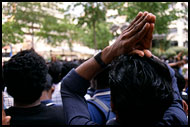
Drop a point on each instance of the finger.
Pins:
(150, 32)
(147, 53)
(140, 14)
(138, 27)
(138, 52)
(138, 36)
(147, 43)
(153, 18)
(138, 21)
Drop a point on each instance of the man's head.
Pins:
(54, 70)
(25, 76)
(141, 89)
(67, 66)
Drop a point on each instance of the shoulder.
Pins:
(74, 83)
(55, 113)
(174, 115)
(41, 115)
(55, 109)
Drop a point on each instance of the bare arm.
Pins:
(125, 43)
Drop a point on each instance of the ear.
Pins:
(52, 89)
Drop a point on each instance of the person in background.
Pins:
(54, 69)
(99, 105)
(58, 70)
(25, 76)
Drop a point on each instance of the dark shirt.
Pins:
(74, 87)
(47, 102)
(37, 115)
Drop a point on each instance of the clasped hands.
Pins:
(137, 37)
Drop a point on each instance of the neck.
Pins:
(20, 105)
(45, 96)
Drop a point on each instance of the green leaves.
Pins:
(164, 16)
(94, 16)
(40, 19)
(8, 36)
(35, 18)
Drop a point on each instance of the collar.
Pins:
(102, 92)
(47, 102)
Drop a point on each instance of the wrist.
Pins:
(99, 60)
(107, 55)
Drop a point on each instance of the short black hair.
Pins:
(49, 82)
(141, 89)
(67, 66)
(25, 76)
(54, 70)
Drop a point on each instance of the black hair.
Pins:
(59, 69)
(141, 89)
(25, 76)
(102, 78)
(67, 66)
(54, 70)
(49, 82)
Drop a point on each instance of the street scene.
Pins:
(95, 63)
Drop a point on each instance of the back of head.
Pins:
(54, 70)
(141, 89)
(25, 76)
(67, 66)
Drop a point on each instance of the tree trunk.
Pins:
(32, 36)
(94, 34)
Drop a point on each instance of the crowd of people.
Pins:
(124, 84)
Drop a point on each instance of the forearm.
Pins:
(172, 64)
(89, 68)
(125, 43)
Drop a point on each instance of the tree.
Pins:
(11, 30)
(35, 19)
(103, 36)
(164, 14)
(94, 14)
(11, 33)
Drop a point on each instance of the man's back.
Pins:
(37, 115)
(99, 106)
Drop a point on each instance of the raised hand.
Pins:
(146, 42)
(136, 35)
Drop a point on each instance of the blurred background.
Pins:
(77, 30)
